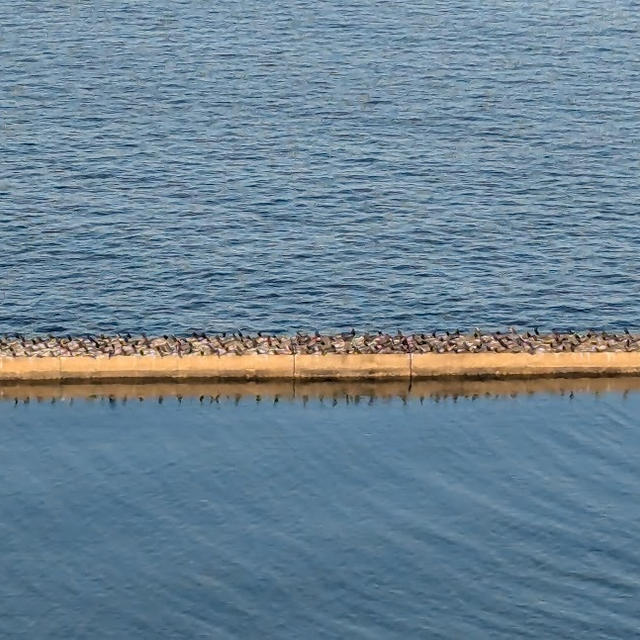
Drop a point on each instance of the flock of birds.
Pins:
(301, 343)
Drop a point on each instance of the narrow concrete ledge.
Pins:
(118, 367)
(498, 365)
(332, 366)
(246, 367)
(30, 368)
(337, 366)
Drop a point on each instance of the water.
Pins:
(493, 517)
(168, 166)
(171, 166)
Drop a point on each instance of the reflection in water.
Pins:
(347, 391)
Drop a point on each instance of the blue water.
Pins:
(299, 165)
(171, 166)
(496, 517)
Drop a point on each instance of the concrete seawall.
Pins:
(331, 366)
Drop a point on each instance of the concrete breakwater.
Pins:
(319, 357)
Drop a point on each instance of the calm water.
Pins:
(286, 165)
(488, 518)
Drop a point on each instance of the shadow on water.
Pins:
(347, 391)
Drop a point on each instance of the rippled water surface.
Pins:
(170, 166)
(497, 517)
(286, 165)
